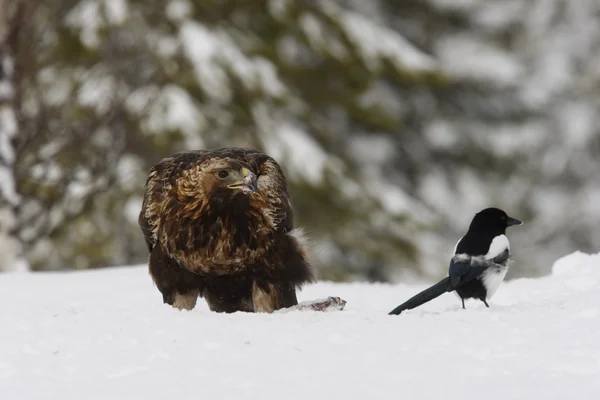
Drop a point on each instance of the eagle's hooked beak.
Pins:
(249, 183)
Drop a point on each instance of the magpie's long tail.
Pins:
(426, 295)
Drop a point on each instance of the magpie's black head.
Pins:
(492, 220)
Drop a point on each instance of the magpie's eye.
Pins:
(503, 218)
(223, 174)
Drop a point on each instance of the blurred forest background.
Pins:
(395, 120)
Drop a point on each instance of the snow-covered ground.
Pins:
(106, 335)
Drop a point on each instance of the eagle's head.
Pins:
(230, 188)
(229, 178)
(219, 180)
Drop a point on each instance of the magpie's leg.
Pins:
(485, 302)
(463, 303)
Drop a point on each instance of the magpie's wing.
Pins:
(474, 272)
(463, 270)
(501, 258)
(459, 267)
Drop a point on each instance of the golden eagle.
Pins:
(219, 225)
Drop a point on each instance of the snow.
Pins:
(313, 30)
(497, 15)
(509, 140)
(129, 166)
(200, 46)
(97, 91)
(131, 211)
(116, 11)
(85, 17)
(392, 198)
(466, 57)
(455, 4)
(8, 129)
(56, 86)
(294, 147)
(371, 150)
(7, 66)
(175, 109)
(106, 334)
(319, 38)
(177, 10)
(211, 50)
(278, 8)
(374, 41)
(578, 121)
(440, 135)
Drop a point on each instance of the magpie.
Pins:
(479, 264)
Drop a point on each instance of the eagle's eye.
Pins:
(223, 174)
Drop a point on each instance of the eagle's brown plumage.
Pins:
(219, 225)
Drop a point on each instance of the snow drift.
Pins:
(106, 334)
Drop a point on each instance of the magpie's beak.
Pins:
(513, 221)
(249, 183)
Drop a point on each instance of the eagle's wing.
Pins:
(273, 187)
(154, 196)
(158, 185)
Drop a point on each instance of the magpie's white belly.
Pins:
(492, 278)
